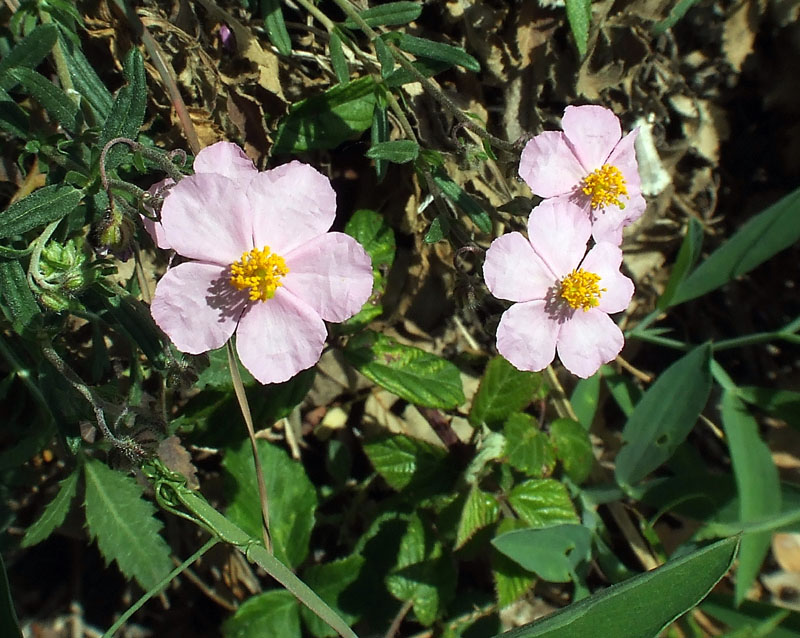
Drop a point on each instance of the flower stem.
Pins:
(241, 397)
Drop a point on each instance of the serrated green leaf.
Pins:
(410, 373)
(757, 483)
(59, 107)
(29, 52)
(687, 257)
(397, 151)
(464, 201)
(54, 513)
(404, 462)
(585, 398)
(41, 207)
(124, 526)
(511, 580)
(763, 236)
(641, 606)
(276, 26)
(527, 448)
(338, 59)
(291, 499)
(329, 581)
(665, 416)
(503, 391)
(273, 613)
(542, 503)
(552, 552)
(439, 51)
(579, 16)
(325, 121)
(389, 14)
(16, 296)
(573, 448)
(9, 625)
(480, 509)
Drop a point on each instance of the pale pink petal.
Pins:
(604, 260)
(513, 271)
(593, 132)
(279, 337)
(549, 166)
(587, 341)
(527, 336)
(609, 222)
(332, 273)
(154, 228)
(291, 204)
(558, 231)
(207, 217)
(624, 158)
(225, 158)
(195, 305)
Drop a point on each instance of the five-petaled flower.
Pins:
(262, 263)
(563, 293)
(592, 165)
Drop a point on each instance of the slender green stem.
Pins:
(747, 340)
(660, 341)
(163, 583)
(324, 20)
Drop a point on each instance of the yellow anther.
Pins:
(260, 271)
(580, 290)
(605, 185)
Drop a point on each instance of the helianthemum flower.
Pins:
(563, 293)
(592, 165)
(263, 264)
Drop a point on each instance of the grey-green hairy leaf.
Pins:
(397, 151)
(54, 514)
(41, 207)
(503, 391)
(464, 201)
(276, 27)
(579, 16)
(28, 53)
(58, 105)
(389, 14)
(16, 296)
(435, 51)
(338, 59)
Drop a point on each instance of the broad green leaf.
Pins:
(552, 552)
(757, 483)
(9, 625)
(291, 498)
(480, 509)
(665, 416)
(388, 15)
(528, 449)
(573, 448)
(370, 230)
(763, 236)
(325, 121)
(464, 201)
(584, 399)
(54, 514)
(16, 296)
(85, 80)
(41, 207)
(783, 404)
(579, 16)
(397, 151)
(276, 27)
(542, 503)
(643, 605)
(511, 580)
(503, 391)
(124, 525)
(338, 59)
(274, 613)
(28, 53)
(410, 373)
(404, 462)
(688, 255)
(435, 51)
(59, 107)
(328, 581)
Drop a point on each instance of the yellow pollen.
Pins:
(605, 186)
(580, 290)
(260, 271)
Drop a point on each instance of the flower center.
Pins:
(580, 290)
(605, 186)
(260, 271)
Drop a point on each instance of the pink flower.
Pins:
(592, 165)
(564, 294)
(263, 264)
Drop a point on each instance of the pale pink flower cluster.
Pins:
(260, 263)
(589, 178)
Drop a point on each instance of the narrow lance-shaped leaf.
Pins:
(435, 50)
(464, 201)
(276, 26)
(41, 207)
(579, 16)
(397, 151)
(338, 59)
(28, 53)
(16, 295)
(687, 257)
(54, 514)
(52, 99)
(389, 14)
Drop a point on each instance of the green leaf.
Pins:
(397, 151)
(389, 14)
(370, 230)
(552, 552)
(579, 16)
(435, 51)
(757, 483)
(573, 448)
(329, 581)
(503, 391)
(622, 388)
(688, 255)
(124, 525)
(273, 613)
(385, 57)
(338, 59)
(464, 201)
(41, 207)
(585, 398)
(30, 51)
(763, 236)
(276, 27)
(782, 404)
(379, 132)
(291, 499)
(85, 80)
(665, 416)
(480, 509)
(751, 616)
(59, 107)
(542, 503)
(404, 462)
(16, 296)
(677, 12)
(54, 514)
(12, 118)
(9, 625)
(438, 230)
(641, 606)
(325, 121)
(410, 373)
(528, 449)
(511, 580)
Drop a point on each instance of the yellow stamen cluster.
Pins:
(580, 290)
(260, 271)
(605, 185)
